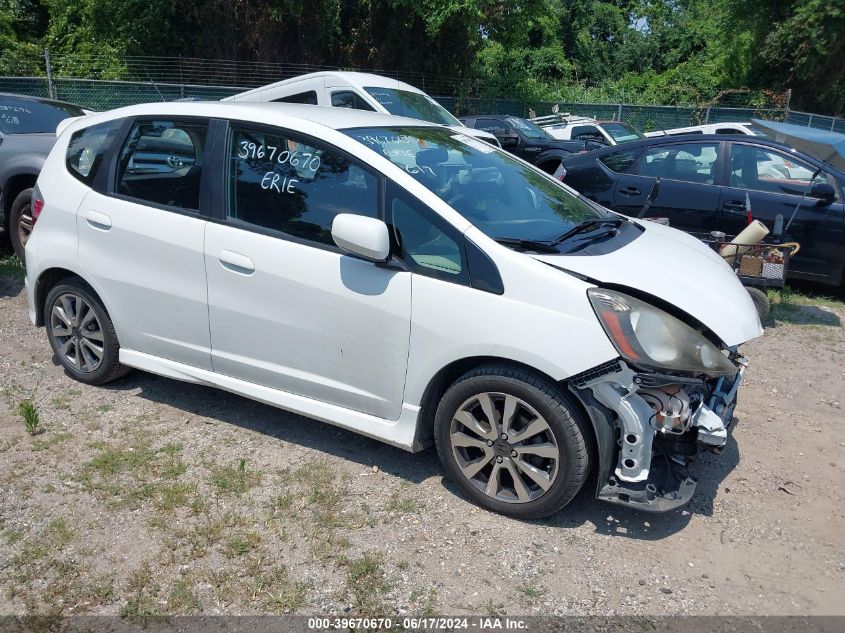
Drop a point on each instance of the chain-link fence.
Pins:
(82, 79)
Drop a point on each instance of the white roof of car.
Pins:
(263, 112)
(341, 77)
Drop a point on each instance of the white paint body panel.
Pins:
(149, 263)
(681, 270)
(309, 321)
(328, 335)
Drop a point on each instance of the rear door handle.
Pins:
(98, 220)
(630, 191)
(236, 262)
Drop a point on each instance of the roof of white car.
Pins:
(356, 79)
(335, 118)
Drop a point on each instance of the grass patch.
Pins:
(236, 479)
(803, 308)
(366, 584)
(12, 266)
(138, 473)
(31, 419)
(51, 441)
(399, 504)
(241, 544)
(425, 602)
(530, 593)
(142, 602)
(280, 594)
(182, 598)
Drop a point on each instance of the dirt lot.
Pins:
(152, 496)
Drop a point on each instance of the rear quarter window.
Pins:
(87, 147)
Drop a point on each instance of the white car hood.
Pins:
(679, 269)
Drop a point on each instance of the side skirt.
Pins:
(399, 433)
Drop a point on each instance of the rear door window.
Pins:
(161, 163)
(690, 162)
(281, 181)
(87, 147)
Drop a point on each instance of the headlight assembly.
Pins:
(645, 335)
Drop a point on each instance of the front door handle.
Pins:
(630, 191)
(734, 206)
(97, 220)
(236, 262)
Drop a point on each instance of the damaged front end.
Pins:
(659, 422)
(672, 393)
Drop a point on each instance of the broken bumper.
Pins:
(660, 422)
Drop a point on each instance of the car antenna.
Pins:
(801, 201)
(156, 87)
(652, 196)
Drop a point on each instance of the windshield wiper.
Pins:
(528, 245)
(583, 227)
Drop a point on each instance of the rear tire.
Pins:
(81, 333)
(761, 302)
(531, 460)
(20, 221)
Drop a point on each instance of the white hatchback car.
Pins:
(397, 279)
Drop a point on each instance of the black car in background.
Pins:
(703, 183)
(27, 134)
(528, 141)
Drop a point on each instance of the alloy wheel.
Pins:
(77, 332)
(504, 447)
(25, 224)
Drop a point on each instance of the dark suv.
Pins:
(706, 181)
(528, 141)
(27, 133)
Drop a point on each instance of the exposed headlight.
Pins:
(646, 335)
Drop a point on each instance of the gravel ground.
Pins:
(151, 496)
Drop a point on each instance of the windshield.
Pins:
(497, 193)
(31, 116)
(528, 129)
(412, 104)
(622, 132)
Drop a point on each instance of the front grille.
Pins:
(610, 367)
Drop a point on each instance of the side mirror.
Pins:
(823, 191)
(509, 140)
(591, 145)
(362, 236)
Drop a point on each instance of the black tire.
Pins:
(564, 420)
(21, 206)
(761, 302)
(109, 367)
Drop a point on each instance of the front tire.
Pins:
(761, 302)
(20, 221)
(512, 441)
(82, 334)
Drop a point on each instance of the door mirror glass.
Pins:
(361, 236)
(823, 191)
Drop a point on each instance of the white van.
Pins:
(361, 91)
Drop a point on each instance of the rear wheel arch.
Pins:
(49, 279)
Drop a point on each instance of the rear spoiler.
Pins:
(64, 124)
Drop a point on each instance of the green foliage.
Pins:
(643, 51)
